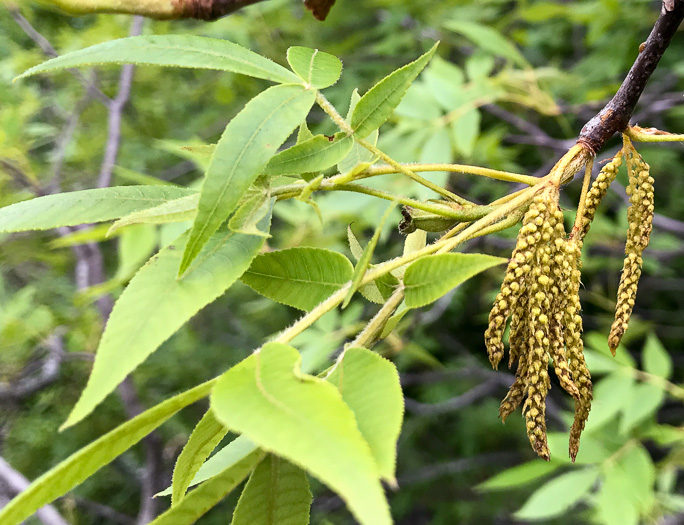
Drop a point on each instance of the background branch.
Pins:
(616, 114)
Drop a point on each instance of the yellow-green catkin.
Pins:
(640, 218)
(538, 382)
(572, 333)
(598, 191)
(513, 283)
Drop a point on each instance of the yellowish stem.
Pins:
(581, 207)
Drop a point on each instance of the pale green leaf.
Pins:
(303, 419)
(611, 395)
(136, 245)
(657, 360)
(204, 438)
(558, 495)
(376, 106)
(314, 67)
(429, 278)
(172, 51)
(358, 157)
(245, 147)
(229, 455)
(299, 277)
(487, 38)
(84, 207)
(370, 291)
(156, 304)
(644, 402)
(177, 210)
(520, 475)
(369, 384)
(365, 259)
(252, 209)
(84, 463)
(277, 493)
(465, 131)
(208, 494)
(314, 155)
(627, 487)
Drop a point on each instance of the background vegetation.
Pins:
(513, 84)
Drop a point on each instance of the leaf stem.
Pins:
(369, 335)
(344, 126)
(638, 134)
(454, 168)
(463, 214)
(314, 315)
(581, 208)
(402, 168)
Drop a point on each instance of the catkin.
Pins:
(537, 280)
(513, 283)
(598, 191)
(640, 218)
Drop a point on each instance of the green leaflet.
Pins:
(376, 106)
(314, 155)
(299, 277)
(208, 494)
(558, 495)
(429, 278)
(177, 210)
(379, 290)
(172, 51)
(84, 207)
(204, 438)
(520, 475)
(245, 147)
(155, 304)
(365, 259)
(252, 209)
(314, 67)
(303, 419)
(369, 384)
(487, 38)
(657, 360)
(359, 157)
(81, 465)
(235, 451)
(277, 493)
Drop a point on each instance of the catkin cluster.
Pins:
(640, 218)
(540, 295)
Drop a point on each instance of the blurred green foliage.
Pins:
(547, 67)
